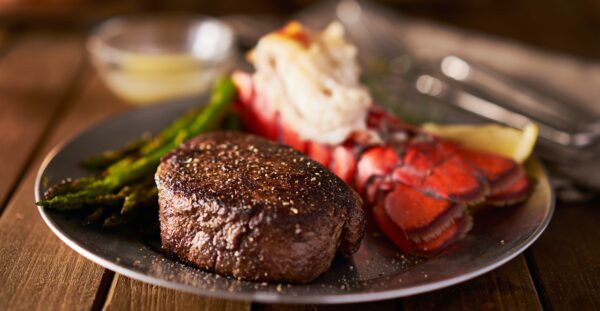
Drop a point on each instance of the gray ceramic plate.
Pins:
(377, 271)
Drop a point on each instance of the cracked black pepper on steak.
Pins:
(240, 205)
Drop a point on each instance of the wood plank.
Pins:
(37, 270)
(565, 261)
(509, 287)
(5, 40)
(129, 294)
(36, 75)
(374, 306)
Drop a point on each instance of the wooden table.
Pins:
(49, 92)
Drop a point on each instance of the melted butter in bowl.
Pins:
(146, 59)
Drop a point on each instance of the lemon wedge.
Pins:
(493, 138)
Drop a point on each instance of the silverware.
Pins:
(516, 105)
(567, 133)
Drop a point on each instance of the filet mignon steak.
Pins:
(242, 206)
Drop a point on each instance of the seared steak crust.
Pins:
(243, 206)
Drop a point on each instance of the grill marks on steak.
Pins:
(240, 205)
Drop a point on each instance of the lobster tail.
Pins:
(419, 186)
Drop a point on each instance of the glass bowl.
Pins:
(152, 58)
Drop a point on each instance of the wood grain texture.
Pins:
(32, 88)
(368, 306)
(509, 287)
(37, 270)
(129, 294)
(566, 259)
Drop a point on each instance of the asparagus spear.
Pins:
(143, 196)
(138, 199)
(119, 175)
(171, 131)
(133, 204)
(120, 165)
(113, 201)
(68, 185)
(191, 124)
(107, 158)
(115, 219)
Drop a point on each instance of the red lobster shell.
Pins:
(419, 186)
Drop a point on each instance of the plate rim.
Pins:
(262, 297)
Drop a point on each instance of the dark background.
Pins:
(568, 26)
